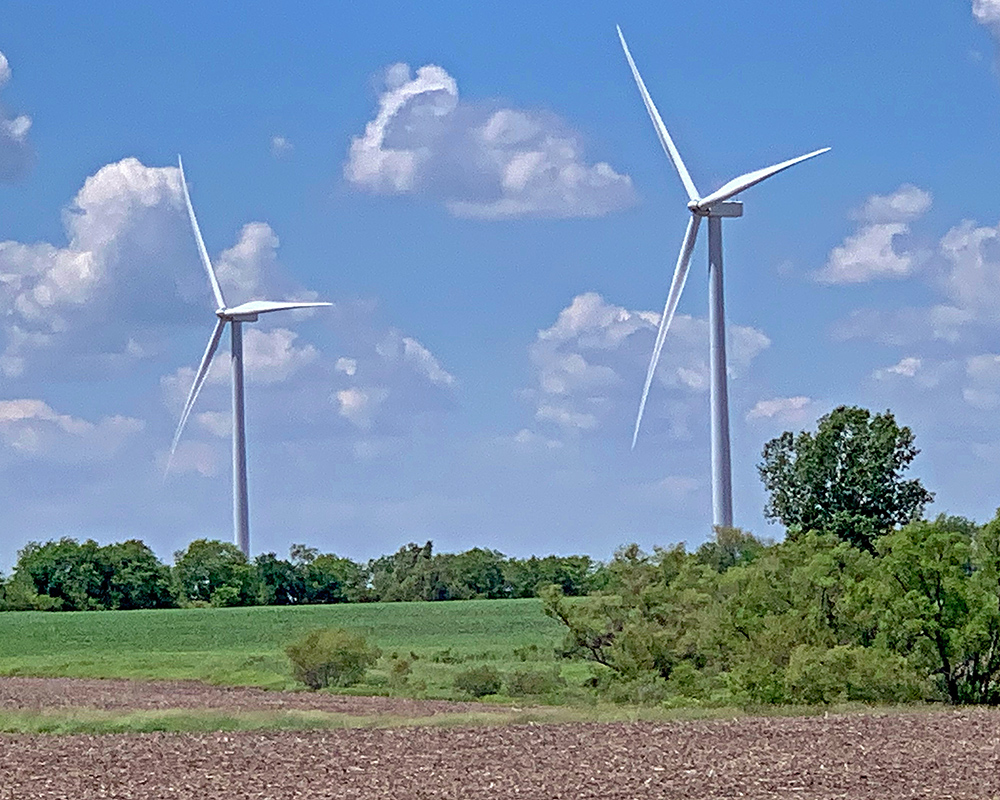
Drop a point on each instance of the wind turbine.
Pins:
(234, 316)
(715, 206)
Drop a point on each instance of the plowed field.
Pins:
(927, 754)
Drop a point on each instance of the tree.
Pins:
(135, 577)
(214, 572)
(279, 582)
(845, 479)
(331, 579)
(73, 574)
(940, 602)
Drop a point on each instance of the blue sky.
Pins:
(481, 195)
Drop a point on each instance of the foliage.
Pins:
(75, 577)
(214, 573)
(478, 681)
(331, 657)
(799, 622)
(845, 479)
(574, 575)
(533, 682)
(940, 602)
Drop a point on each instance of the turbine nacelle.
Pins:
(728, 208)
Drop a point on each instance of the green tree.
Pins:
(331, 579)
(574, 575)
(408, 574)
(845, 479)
(214, 572)
(279, 582)
(135, 577)
(940, 603)
(73, 574)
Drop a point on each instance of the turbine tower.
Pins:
(715, 206)
(233, 316)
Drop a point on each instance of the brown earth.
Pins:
(931, 754)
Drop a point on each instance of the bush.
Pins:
(331, 657)
(523, 682)
(478, 681)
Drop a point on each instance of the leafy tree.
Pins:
(214, 572)
(476, 573)
(407, 574)
(135, 577)
(331, 579)
(279, 582)
(730, 547)
(940, 602)
(73, 574)
(574, 575)
(845, 479)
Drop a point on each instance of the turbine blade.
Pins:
(199, 381)
(661, 129)
(220, 301)
(676, 287)
(266, 306)
(737, 185)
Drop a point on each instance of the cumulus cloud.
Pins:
(906, 368)
(987, 12)
(359, 404)
(879, 248)
(589, 365)
(485, 162)
(32, 429)
(964, 269)
(786, 410)
(15, 152)
(91, 295)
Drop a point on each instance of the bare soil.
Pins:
(928, 754)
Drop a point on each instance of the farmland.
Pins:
(245, 646)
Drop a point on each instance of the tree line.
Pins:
(67, 575)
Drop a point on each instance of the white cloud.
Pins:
(349, 366)
(271, 356)
(34, 430)
(281, 147)
(15, 152)
(987, 12)
(906, 368)
(906, 204)
(481, 162)
(589, 365)
(112, 278)
(878, 248)
(240, 269)
(359, 405)
(786, 410)
(424, 362)
(396, 348)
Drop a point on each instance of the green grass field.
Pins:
(245, 646)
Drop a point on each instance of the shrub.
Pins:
(478, 681)
(523, 682)
(331, 657)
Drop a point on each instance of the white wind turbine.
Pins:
(715, 207)
(234, 316)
